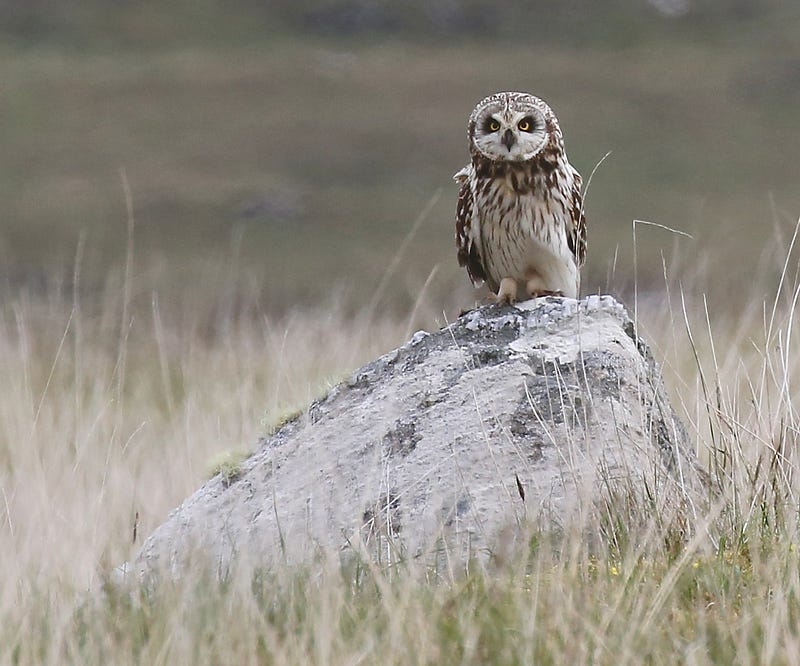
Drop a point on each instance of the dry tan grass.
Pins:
(111, 409)
(102, 419)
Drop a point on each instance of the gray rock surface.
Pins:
(509, 416)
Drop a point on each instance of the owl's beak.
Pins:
(508, 139)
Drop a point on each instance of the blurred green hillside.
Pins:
(295, 144)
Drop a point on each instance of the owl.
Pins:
(519, 221)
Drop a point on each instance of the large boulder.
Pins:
(511, 416)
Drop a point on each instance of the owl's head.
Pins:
(512, 127)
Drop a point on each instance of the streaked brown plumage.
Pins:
(519, 221)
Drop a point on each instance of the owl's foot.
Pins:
(535, 285)
(507, 292)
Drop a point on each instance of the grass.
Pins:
(112, 410)
(555, 611)
(228, 465)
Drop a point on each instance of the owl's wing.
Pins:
(576, 227)
(468, 251)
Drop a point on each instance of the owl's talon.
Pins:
(507, 293)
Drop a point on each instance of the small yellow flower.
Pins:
(527, 583)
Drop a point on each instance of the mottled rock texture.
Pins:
(512, 416)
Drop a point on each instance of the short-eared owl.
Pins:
(519, 222)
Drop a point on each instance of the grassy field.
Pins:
(112, 411)
(323, 153)
(198, 238)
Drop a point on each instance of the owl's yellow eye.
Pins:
(526, 124)
(493, 125)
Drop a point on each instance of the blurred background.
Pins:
(301, 151)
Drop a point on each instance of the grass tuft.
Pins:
(228, 465)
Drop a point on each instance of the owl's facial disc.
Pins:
(510, 135)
